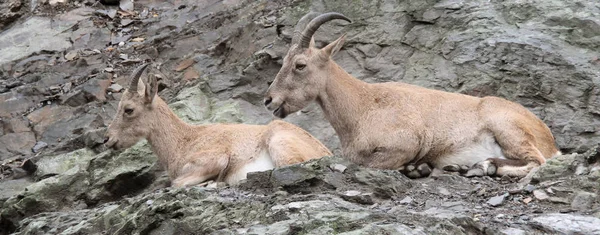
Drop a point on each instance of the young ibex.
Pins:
(194, 154)
(399, 126)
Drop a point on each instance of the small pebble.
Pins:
(115, 88)
(338, 167)
(444, 191)
(529, 188)
(406, 200)
(540, 194)
(39, 146)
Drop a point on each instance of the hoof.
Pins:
(451, 168)
(456, 168)
(415, 172)
(484, 168)
(413, 175)
(424, 169)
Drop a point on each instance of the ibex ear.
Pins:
(334, 46)
(141, 87)
(151, 88)
(312, 42)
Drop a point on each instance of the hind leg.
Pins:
(517, 144)
(501, 167)
(283, 151)
(292, 148)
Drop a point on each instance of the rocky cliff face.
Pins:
(63, 65)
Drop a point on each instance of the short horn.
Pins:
(301, 25)
(135, 76)
(315, 23)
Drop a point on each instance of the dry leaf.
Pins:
(184, 65)
(138, 39)
(126, 13)
(191, 74)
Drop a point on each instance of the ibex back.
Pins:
(394, 125)
(194, 154)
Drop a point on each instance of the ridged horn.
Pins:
(315, 23)
(135, 77)
(301, 25)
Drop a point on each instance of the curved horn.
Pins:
(301, 25)
(315, 23)
(135, 76)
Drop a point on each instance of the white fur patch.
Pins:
(262, 162)
(468, 155)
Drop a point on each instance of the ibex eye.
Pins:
(128, 111)
(300, 66)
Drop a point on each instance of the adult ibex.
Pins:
(194, 154)
(399, 126)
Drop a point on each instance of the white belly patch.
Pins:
(476, 152)
(262, 162)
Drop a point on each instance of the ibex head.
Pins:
(303, 74)
(135, 115)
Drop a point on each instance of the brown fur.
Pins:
(388, 125)
(193, 154)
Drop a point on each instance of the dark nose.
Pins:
(268, 100)
(106, 139)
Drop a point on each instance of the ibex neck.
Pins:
(169, 136)
(343, 101)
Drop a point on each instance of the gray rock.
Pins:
(12, 187)
(95, 89)
(126, 5)
(583, 201)
(10, 11)
(529, 188)
(406, 200)
(70, 131)
(115, 88)
(557, 166)
(581, 170)
(93, 138)
(338, 167)
(568, 224)
(59, 164)
(358, 197)
(540, 194)
(74, 99)
(370, 50)
(39, 146)
(222, 82)
(16, 125)
(191, 105)
(38, 34)
(83, 177)
(559, 200)
(497, 200)
(513, 231)
(12, 144)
